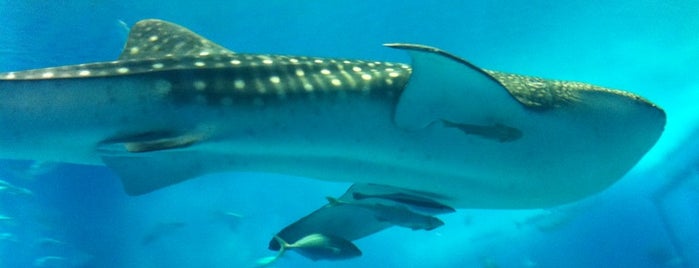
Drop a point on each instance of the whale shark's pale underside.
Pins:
(176, 106)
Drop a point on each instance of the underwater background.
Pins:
(79, 216)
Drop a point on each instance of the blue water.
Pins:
(648, 219)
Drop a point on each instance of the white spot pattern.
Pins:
(239, 84)
(199, 85)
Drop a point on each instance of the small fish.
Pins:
(49, 243)
(316, 247)
(9, 188)
(161, 229)
(417, 203)
(549, 220)
(229, 214)
(395, 214)
(231, 219)
(8, 237)
(50, 261)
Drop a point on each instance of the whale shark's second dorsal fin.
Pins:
(152, 38)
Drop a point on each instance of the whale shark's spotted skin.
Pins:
(216, 76)
(223, 80)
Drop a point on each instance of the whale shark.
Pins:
(176, 106)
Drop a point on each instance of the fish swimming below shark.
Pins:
(397, 215)
(316, 247)
(414, 202)
(175, 106)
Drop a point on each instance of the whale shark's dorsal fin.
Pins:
(152, 38)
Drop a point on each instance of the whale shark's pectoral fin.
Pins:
(448, 88)
(150, 161)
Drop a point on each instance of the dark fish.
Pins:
(347, 222)
(419, 203)
(395, 214)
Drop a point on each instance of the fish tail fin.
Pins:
(283, 245)
(332, 201)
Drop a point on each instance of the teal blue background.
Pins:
(648, 219)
